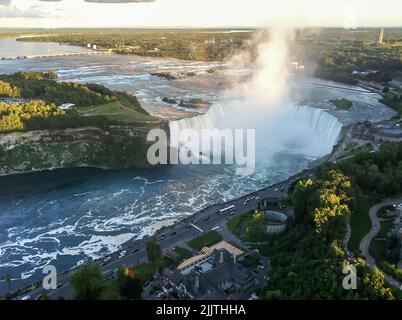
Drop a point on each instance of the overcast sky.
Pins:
(198, 13)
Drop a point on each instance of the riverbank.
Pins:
(133, 252)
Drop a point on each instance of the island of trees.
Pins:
(32, 100)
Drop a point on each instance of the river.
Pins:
(71, 216)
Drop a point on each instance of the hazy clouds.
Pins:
(201, 13)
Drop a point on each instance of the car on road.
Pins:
(161, 238)
(26, 298)
(107, 259)
(136, 250)
(122, 254)
(207, 218)
(276, 190)
(174, 233)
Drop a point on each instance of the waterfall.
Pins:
(325, 126)
(208, 120)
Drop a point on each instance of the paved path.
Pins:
(366, 241)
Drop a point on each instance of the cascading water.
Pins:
(326, 126)
(323, 125)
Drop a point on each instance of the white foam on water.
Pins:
(96, 246)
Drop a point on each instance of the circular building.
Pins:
(276, 222)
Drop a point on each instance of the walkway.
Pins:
(366, 241)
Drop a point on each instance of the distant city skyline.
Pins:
(199, 13)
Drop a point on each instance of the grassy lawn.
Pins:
(360, 222)
(206, 240)
(117, 112)
(342, 104)
(183, 252)
(147, 270)
(234, 224)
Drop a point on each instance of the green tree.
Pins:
(301, 197)
(256, 227)
(129, 283)
(89, 282)
(154, 251)
(375, 282)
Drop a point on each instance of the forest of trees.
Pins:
(42, 94)
(7, 90)
(182, 44)
(37, 75)
(339, 63)
(378, 174)
(41, 85)
(89, 283)
(14, 116)
(307, 261)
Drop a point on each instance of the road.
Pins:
(176, 235)
(368, 238)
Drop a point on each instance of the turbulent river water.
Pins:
(68, 217)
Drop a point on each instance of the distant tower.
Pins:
(381, 39)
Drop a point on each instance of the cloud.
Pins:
(10, 10)
(116, 1)
(97, 1)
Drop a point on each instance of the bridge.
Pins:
(57, 55)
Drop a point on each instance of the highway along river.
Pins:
(71, 216)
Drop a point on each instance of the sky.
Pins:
(199, 13)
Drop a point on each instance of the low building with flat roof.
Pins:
(219, 277)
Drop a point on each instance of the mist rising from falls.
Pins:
(261, 102)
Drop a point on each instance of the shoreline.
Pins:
(137, 242)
